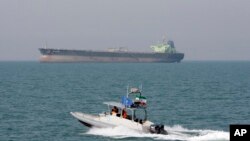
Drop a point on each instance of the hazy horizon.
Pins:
(202, 29)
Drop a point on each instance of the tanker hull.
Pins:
(70, 56)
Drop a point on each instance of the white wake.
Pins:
(174, 133)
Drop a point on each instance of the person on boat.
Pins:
(124, 113)
(114, 110)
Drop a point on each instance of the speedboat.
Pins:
(128, 113)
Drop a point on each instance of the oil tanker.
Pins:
(164, 52)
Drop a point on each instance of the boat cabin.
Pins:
(136, 114)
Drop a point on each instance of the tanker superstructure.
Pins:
(164, 52)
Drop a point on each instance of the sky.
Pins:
(202, 29)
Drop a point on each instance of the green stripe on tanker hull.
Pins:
(68, 58)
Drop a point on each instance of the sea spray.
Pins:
(176, 132)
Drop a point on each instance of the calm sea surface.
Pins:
(194, 100)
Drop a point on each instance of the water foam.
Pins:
(176, 132)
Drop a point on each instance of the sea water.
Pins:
(196, 101)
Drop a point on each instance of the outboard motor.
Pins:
(158, 129)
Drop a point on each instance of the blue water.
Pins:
(194, 100)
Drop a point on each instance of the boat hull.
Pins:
(91, 121)
(106, 121)
(59, 55)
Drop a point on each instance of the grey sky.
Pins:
(202, 29)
